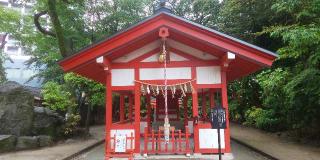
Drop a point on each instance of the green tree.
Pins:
(299, 56)
(9, 22)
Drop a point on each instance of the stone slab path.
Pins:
(59, 151)
(275, 146)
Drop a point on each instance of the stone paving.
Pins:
(274, 146)
(59, 151)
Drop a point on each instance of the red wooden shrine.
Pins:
(205, 58)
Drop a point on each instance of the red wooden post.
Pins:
(152, 136)
(211, 95)
(204, 105)
(185, 105)
(137, 112)
(173, 140)
(122, 111)
(225, 105)
(108, 113)
(195, 110)
(187, 140)
(194, 94)
(159, 140)
(146, 139)
(148, 111)
(130, 106)
(180, 147)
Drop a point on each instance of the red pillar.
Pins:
(185, 105)
(211, 95)
(225, 105)
(130, 106)
(195, 110)
(204, 105)
(137, 112)
(194, 94)
(108, 112)
(148, 111)
(122, 111)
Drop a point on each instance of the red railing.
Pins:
(112, 145)
(154, 142)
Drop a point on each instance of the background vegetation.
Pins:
(285, 97)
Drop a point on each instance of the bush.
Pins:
(56, 97)
(262, 119)
(235, 112)
(71, 124)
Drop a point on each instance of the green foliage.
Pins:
(56, 97)
(70, 127)
(9, 22)
(289, 91)
(95, 91)
(260, 118)
(303, 105)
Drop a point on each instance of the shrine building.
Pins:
(162, 77)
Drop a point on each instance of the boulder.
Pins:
(7, 143)
(27, 142)
(16, 109)
(45, 121)
(45, 140)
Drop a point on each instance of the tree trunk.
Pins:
(64, 49)
(88, 119)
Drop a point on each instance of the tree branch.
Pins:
(38, 25)
(3, 41)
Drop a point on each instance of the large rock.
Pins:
(16, 109)
(45, 121)
(7, 143)
(27, 142)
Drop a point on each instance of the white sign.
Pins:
(208, 138)
(121, 144)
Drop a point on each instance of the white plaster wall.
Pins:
(139, 52)
(122, 77)
(175, 57)
(208, 138)
(208, 75)
(189, 50)
(158, 73)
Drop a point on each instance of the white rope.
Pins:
(161, 85)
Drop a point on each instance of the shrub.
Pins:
(262, 119)
(56, 97)
(71, 124)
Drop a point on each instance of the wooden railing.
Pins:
(154, 142)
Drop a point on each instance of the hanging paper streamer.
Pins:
(148, 89)
(182, 90)
(156, 89)
(185, 87)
